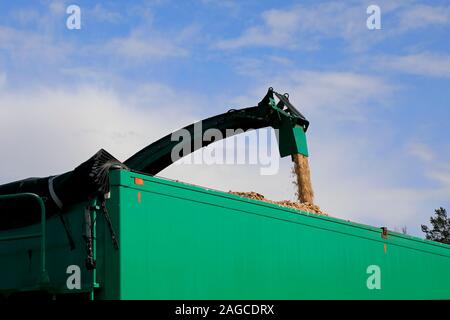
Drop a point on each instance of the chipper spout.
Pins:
(289, 122)
(291, 135)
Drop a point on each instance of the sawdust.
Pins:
(300, 170)
(303, 206)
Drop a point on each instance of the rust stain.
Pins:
(385, 248)
(139, 197)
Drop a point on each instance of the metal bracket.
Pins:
(384, 232)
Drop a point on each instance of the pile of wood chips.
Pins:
(305, 206)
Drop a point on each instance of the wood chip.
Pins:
(302, 206)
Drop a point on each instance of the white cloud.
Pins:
(421, 151)
(420, 15)
(92, 75)
(228, 4)
(47, 131)
(26, 16)
(423, 64)
(436, 168)
(2, 79)
(442, 176)
(21, 45)
(41, 42)
(142, 46)
(102, 13)
(334, 96)
(345, 95)
(277, 29)
(304, 26)
(58, 7)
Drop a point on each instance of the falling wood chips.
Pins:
(303, 178)
(308, 207)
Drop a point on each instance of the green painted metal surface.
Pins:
(291, 136)
(178, 241)
(292, 140)
(184, 242)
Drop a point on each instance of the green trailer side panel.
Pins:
(184, 242)
(178, 241)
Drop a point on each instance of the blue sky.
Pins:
(378, 100)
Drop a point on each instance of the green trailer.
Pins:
(179, 241)
(146, 237)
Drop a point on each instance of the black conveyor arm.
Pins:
(157, 156)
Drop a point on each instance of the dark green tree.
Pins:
(441, 227)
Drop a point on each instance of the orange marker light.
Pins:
(139, 181)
